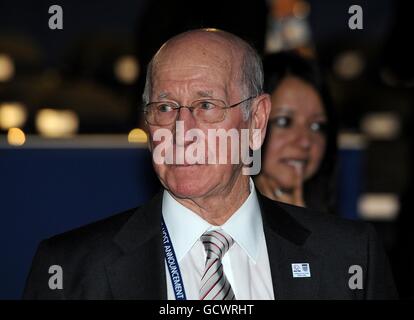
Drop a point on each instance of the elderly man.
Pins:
(210, 234)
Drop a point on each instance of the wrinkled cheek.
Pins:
(162, 148)
(221, 149)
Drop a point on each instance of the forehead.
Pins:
(202, 80)
(194, 64)
(298, 97)
(205, 48)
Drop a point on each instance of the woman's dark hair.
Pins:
(319, 190)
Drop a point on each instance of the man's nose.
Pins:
(188, 121)
(185, 114)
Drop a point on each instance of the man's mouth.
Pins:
(185, 165)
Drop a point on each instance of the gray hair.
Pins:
(148, 83)
(251, 75)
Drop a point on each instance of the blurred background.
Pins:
(72, 148)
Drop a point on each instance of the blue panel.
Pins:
(350, 182)
(49, 191)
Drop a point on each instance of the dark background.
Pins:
(44, 191)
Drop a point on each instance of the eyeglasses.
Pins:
(164, 113)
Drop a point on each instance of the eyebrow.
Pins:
(320, 115)
(163, 95)
(201, 93)
(291, 112)
(205, 94)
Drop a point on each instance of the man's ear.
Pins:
(258, 120)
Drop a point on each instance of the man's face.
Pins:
(183, 74)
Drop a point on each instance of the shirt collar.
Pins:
(185, 227)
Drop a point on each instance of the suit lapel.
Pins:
(139, 272)
(282, 255)
(286, 245)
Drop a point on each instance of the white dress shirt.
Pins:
(246, 264)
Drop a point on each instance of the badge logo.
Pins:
(301, 270)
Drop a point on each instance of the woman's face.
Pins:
(296, 142)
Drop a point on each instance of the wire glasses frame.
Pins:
(204, 110)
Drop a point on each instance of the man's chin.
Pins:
(187, 190)
(187, 182)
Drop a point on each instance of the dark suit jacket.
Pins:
(122, 257)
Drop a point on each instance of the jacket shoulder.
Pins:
(87, 246)
(325, 224)
(96, 231)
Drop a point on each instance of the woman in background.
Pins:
(300, 147)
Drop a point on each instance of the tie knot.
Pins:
(216, 243)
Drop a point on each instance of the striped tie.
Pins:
(214, 284)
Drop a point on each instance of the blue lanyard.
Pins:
(172, 263)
